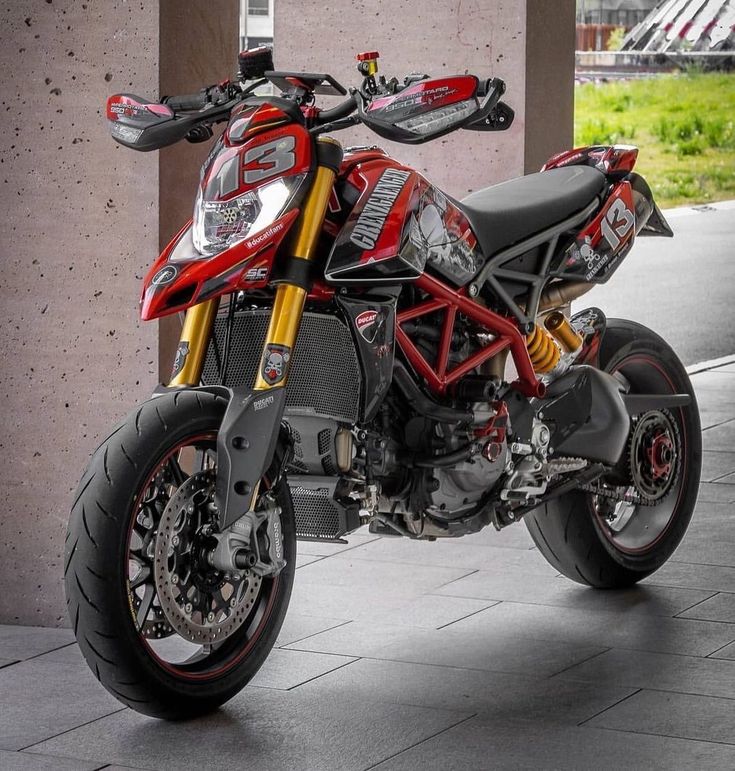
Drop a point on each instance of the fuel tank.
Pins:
(395, 225)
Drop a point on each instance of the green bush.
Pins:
(684, 125)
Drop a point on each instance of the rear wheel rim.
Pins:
(172, 652)
(636, 530)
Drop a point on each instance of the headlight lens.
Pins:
(220, 224)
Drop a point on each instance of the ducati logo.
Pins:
(366, 325)
(165, 276)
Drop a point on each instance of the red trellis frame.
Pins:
(452, 301)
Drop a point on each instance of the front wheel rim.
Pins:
(168, 649)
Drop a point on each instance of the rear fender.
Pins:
(649, 221)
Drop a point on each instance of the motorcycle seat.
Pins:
(513, 211)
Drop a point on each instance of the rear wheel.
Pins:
(163, 631)
(620, 536)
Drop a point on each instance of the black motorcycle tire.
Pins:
(568, 532)
(96, 566)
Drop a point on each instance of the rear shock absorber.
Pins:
(542, 350)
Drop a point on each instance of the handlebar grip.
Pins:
(187, 101)
(342, 110)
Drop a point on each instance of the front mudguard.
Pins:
(247, 444)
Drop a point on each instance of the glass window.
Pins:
(257, 7)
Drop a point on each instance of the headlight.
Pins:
(220, 224)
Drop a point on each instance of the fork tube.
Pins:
(193, 342)
(288, 306)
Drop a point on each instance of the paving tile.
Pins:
(492, 650)
(658, 671)
(717, 464)
(453, 552)
(714, 492)
(43, 698)
(716, 578)
(599, 628)
(710, 417)
(284, 669)
(710, 539)
(298, 625)
(721, 607)
(27, 761)
(25, 642)
(319, 549)
(263, 729)
(516, 586)
(7, 662)
(715, 399)
(728, 652)
(512, 537)
(344, 587)
(729, 479)
(452, 688)
(720, 437)
(430, 611)
(673, 714)
(714, 380)
(306, 559)
(477, 745)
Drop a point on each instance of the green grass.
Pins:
(684, 126)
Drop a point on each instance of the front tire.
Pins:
(113, 604)
(573, 532)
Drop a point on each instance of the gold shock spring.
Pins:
(542, 350)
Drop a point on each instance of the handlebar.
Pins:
(187, 101)
(342, 110)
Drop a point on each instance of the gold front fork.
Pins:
(193, 343)
(287, 310)
(288, 306)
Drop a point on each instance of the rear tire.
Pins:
(570, 532)
(100, 599)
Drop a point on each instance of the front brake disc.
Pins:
(202, 604)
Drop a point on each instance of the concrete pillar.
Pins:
(199, 43)
(528, 43)
(80, 227)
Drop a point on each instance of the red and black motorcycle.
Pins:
(344, 362)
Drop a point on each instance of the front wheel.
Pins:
(600, 539)
(163, 631)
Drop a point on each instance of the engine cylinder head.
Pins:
(542, 350)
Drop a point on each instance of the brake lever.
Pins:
(336, 125)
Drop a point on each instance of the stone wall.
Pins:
(80, 227)
(484, 37)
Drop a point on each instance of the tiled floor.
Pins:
(471, 654)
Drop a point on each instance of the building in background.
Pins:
(598, 20)
(256, 23)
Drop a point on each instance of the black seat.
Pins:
(514, 211)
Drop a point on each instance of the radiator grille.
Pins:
(324, 375)
(317, 515)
